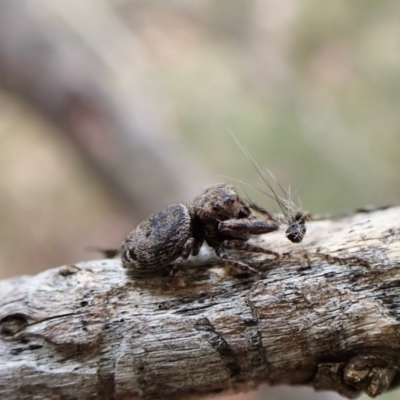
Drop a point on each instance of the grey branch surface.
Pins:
(326, 315)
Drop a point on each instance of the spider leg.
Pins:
(244, 246)
(187, 248)
(241, 228)
(197, 246)
(219, 251)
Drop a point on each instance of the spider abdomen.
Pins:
(157, 241)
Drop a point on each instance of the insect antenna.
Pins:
(292, 216)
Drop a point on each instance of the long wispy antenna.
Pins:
(292, 216)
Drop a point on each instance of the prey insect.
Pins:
(290, 214)
(218, 217)
(294, 219)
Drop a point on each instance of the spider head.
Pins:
(221, 202)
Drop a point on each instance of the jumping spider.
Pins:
(218, 217)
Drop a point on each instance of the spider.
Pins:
(218, 217)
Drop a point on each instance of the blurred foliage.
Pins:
(51, 208)
(309, 88)
(325, 121)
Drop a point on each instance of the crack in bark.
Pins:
(255, 348)
(219, 344)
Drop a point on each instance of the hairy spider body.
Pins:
(159, 240)
(218, 217)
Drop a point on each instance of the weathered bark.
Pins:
(326, 315)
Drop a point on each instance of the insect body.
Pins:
(296, 220)
(297, 227)
(218, 217)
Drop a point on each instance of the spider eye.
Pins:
(228, 200)
(215, 206)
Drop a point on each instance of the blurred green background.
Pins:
(311, 89)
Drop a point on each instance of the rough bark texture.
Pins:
(326, 315)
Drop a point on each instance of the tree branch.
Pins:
(326, 315)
